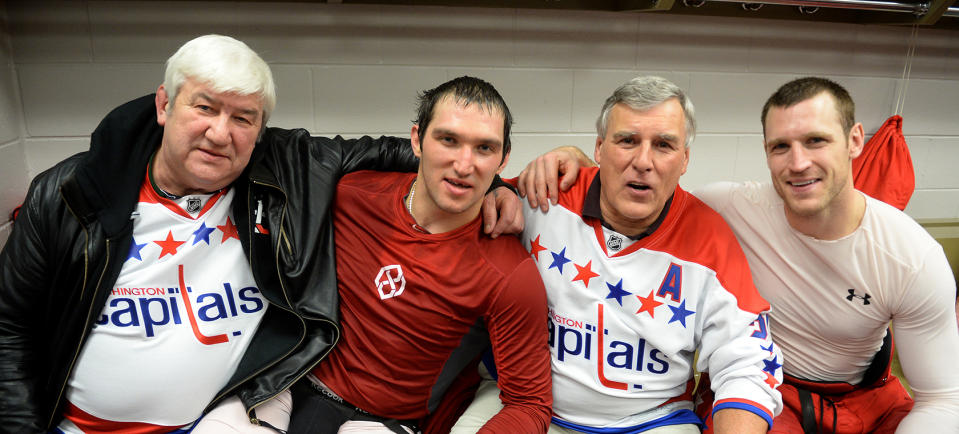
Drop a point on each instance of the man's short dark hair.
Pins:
(801, 89)
(464, 91)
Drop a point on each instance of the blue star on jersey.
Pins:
(559, 260)
(135, 249)
(772, 365)
(203, 233)
(616, 291)
(680, 313)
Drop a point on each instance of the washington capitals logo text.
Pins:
(152, 307)
(577, 338)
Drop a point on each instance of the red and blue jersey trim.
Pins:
(94, 425)
(744, 404)
(678, 417)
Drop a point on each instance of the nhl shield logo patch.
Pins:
(193, 205)
(614, 242)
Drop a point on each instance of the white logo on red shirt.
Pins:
(390, 281)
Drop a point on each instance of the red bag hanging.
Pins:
(884, 169)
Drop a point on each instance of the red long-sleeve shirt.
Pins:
(407, 298)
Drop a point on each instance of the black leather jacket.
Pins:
(74, 231)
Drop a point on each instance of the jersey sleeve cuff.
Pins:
(744, 404)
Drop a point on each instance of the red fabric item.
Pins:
(884, 169)
(877, 409)
(457, 398)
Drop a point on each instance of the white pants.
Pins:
(487, 403)
(230, 416)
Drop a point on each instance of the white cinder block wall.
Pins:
(14, 175)
(354, 69)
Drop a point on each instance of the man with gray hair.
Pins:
(640, 275)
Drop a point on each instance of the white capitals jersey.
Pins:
(175, 325)
(625, 321)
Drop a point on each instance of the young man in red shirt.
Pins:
(418, 280)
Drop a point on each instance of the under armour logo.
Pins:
(192, 205)
(390, 281)
(852, 294)
(614, 242)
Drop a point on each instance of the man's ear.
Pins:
(856, 140)
(599, 142)
(415, 141)
(162, 102)
(503, 164)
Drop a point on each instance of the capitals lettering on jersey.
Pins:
(150, 308)
(579, 338)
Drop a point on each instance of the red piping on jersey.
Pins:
(205, 340)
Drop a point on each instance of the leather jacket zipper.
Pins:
(280, 235)
(86, 328)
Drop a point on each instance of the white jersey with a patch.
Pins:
(832, 300)
(176, 323)
(625, 318)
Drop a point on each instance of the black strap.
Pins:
(809, 425)
(876, 372)
(395, 426)
(835, 414)
(356, 413)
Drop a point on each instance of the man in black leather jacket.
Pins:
(70, 241)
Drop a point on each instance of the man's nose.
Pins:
(218, 131)
(642, 157)
(798, 159)
(463, 162)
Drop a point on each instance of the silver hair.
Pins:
(643, 93)
(226, 65)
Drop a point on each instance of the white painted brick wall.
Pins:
(355, 69)
(4, 232)
(9, 108)
(14, 176)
